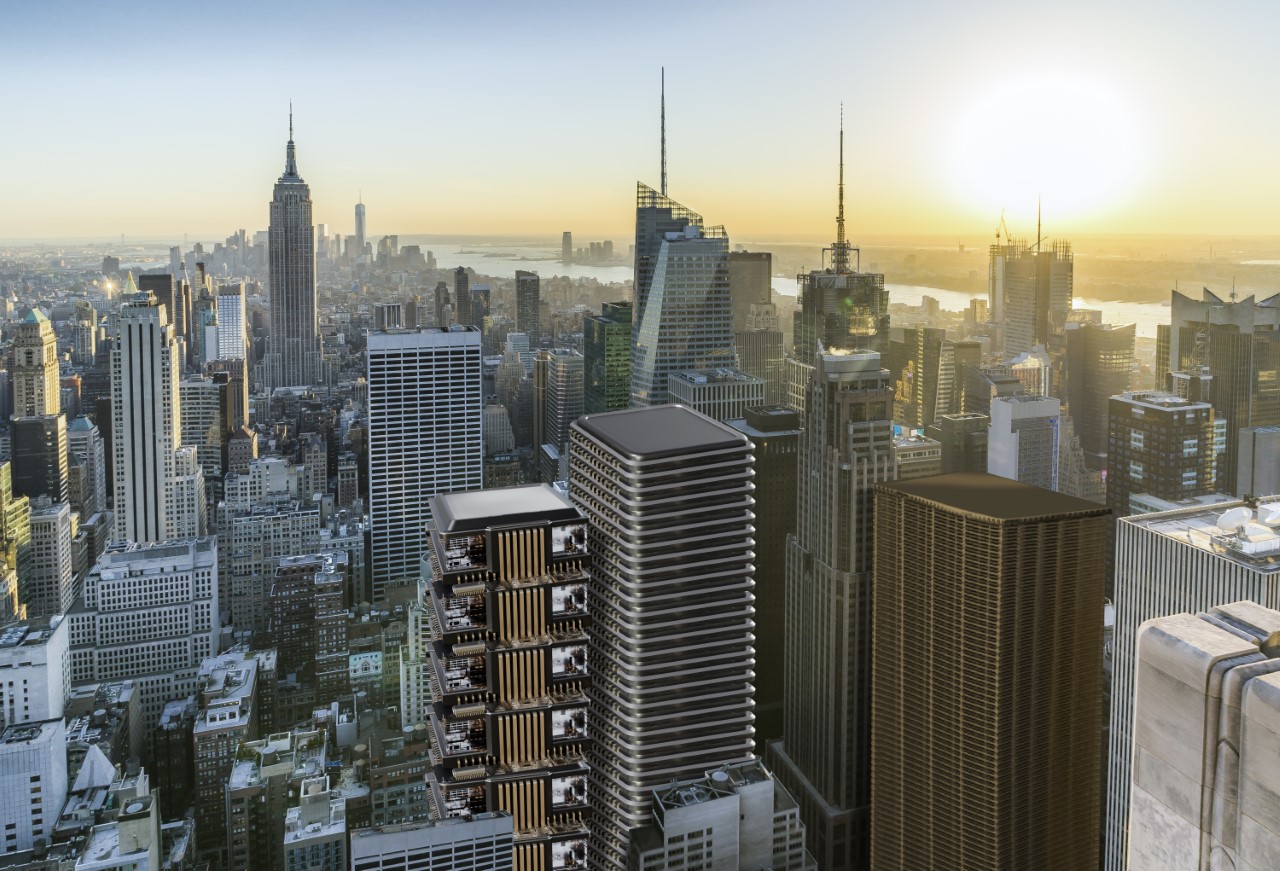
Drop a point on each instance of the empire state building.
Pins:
(293, 358)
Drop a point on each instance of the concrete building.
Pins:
(672, 670)
(50, 589)
(33, 782)
(1099, 364)
(149, 613)
(966, 770)
(481, 843)
(822, 760)
(760, 354)
(424, 438)
(528, 300)
(35, 670)
(1022, 440)
(39, 454)
(683, 313)
(1258, 466)
(132, 841)
(1206, 706)
(1159, 445)
(606, 351)
(207, 427)
(315, 834)
(720, 394)
(263, 778)
(86, 449)
(735, 818)
(510, 675)
(775, 432)
(1189, 560)
(750, 283)
(915, 456)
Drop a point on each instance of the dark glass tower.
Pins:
(606, 347)
(528, 299)
(294, 343)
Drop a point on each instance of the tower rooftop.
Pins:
(659, 431)
(993, 497)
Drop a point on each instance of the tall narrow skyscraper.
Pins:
(606, 349)
(360, 226)
(846, 448)
(462, 297)
(528, 300)
(146, 428)
(294, 342)
(36, 390)
(683, 314)
(424, 438)
(986, 654)
(668, 495)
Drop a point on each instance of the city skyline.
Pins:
(442, 157)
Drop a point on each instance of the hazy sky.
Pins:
(159, 118)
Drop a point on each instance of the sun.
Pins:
(1069, 141)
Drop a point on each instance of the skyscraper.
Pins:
(232, 343)
(39, 450)
(146, 428)
(1239, 342)
(528, 299)
(683, 316)
(1099, 360)
(1038, 283)
(1205, 706)
(667, 494)
(424, 438)
(1188, 560)
(606, 351)
(462, 297)
(1258, 466)
(566, 247)
(360, 226)
(985, 699)
(750, 283)
(841, 308)
(508, 596)
(557, 397)
(294, 342)
(1160, 445)
(1023, 442)
(845, 450)
(36, 390)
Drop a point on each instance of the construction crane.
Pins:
(1002, 227)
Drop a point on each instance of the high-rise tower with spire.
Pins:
(293, 357)
(841, 307)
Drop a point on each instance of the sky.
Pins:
(156, 119)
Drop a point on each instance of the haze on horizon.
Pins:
(153, 120)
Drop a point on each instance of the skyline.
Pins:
(752, 111)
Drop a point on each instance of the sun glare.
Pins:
(1069, 141)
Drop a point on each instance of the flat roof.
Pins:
(993, 497)
(475, 510)
(659, 431)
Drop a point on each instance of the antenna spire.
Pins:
(1038, 224)
(663, 124)
(841, 251)
(291, 120)
(290, 159)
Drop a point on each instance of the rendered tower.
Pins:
(986, 653)
(667, 493)
(294, 343)
(424, 437)
(508, 613)
(823, 757)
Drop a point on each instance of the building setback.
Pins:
(970, 767)
(667, 493)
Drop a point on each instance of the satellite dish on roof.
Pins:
(134, 807)
(1232, 520)
(1269, 515)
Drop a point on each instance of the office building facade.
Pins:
(1158, 445)
(1024, 790)
(671, 588)
(606, 351)
(424, 438)
(1023, 442)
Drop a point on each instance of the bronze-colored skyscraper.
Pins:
(986, 656)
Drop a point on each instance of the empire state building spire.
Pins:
(290, 158)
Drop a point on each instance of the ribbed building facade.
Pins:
(507, 612)
(822, 759)
(668, 496)
(424, 437)
(986, 710)
(1188, 560)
